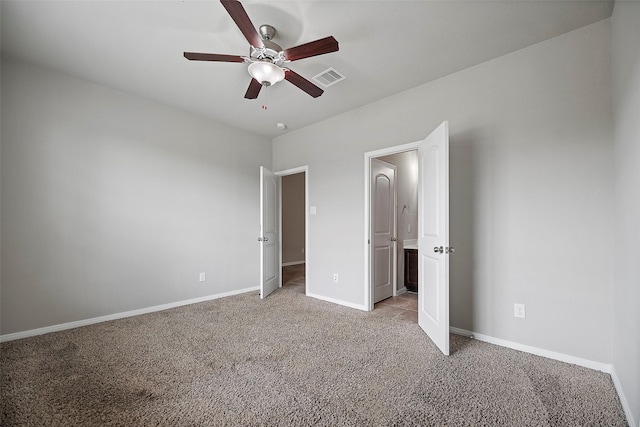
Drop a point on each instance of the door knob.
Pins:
(393, 239)
(450, 250)
(263, 239)
(438, 249)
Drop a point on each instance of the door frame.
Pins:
(294, 171)
(368, 284)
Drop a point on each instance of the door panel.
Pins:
(383, 220)
(433, 236)
(269, 232)
(382, 258)
(429, 165)
(429, 297)
(382, 190)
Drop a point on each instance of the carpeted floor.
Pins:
(287, 360)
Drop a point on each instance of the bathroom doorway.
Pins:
(403, 300)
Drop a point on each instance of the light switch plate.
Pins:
(519, 311)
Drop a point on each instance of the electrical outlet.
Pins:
(203, 277)
(302, 250)
(409, 228)
(518, 311)
(335, 277)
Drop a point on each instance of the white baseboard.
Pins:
(604, 367)
(458, 331)
(598, 366)
(93, 320)
(337, 301)
(623, 399)
(286, 264)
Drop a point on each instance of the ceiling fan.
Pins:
(266, 58)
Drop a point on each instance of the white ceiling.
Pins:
(385, 47)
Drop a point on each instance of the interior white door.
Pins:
(433, 236)
(383, 229)
(269, 232)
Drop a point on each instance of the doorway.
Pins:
(399, 299)
(293, 217)
(433, 232)
(405, 161)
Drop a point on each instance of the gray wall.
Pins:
(407, 194)
(293, 218)
(531, 191)
(112, 203)
(626, 320)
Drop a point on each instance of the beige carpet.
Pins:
(287, 360)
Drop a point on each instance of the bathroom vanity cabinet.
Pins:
(411, 269)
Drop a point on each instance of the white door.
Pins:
(383, 229)
(433, 236)
(269, 232)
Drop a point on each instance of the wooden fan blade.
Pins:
(240, 17)
(195, 56)
(303, 83)
(318, 47)
(253, 90)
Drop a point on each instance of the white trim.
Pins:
(368, 293)
(286, 264)
(623, 399)
(400, 291)
(293, 171)
(339, 302)
(93, 320)
(598, 366)
(458, 331)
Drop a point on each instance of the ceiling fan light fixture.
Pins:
(267, 73)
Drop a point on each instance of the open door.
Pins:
(433, 236)
(269, 232)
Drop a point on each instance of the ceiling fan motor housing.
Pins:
(267, 59)
(271, 51)
(267, 32)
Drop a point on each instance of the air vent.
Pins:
(329, 77)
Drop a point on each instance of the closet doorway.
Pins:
(293, 246)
